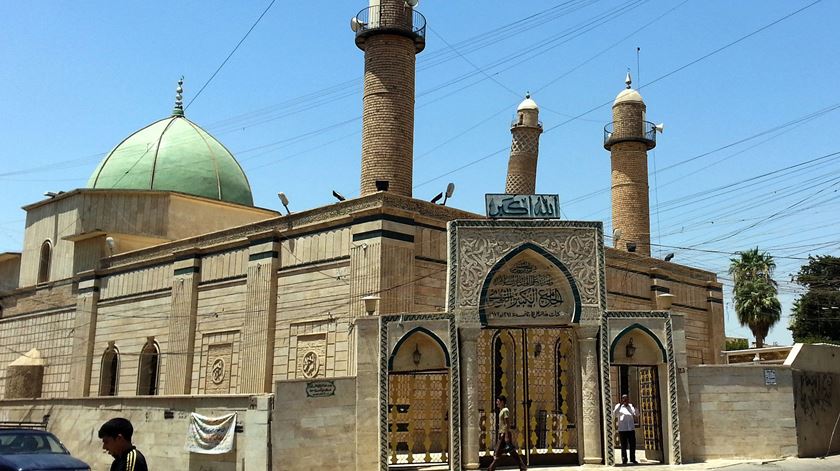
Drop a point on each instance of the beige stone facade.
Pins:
(378, 332)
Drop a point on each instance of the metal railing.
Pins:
(391, 17)
(646, 134)
(516, 122)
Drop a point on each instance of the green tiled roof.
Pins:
(174, 154)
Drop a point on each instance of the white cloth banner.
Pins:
(211, 435)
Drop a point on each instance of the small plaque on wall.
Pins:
(769, 377)
(320, 388)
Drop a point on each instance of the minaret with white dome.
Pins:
(525, 133)
(628, 138)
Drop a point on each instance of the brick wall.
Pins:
(388, 116)
(522, 166)
(630, 206)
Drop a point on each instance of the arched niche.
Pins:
(45, 262)
(419, 350)
(641, 343)
(110, 371)
(529, 286)
(148, 369)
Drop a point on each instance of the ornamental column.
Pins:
(470, 428)
(590, 396)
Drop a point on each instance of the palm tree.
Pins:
(755, 292)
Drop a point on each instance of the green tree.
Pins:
(737, 344)
(816, 314)
(755, 292)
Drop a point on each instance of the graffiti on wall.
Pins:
(815, 393)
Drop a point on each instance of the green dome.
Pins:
(174, 154)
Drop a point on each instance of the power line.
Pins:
(231, 54)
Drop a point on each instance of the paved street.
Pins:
(789, 464)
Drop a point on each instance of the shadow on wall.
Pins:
(816, 390)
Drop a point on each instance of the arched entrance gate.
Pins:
(419, 401)
(526, 352)
(534, 368)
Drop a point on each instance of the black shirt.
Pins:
(131, 461)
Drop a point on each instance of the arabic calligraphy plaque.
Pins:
(320, 388)
(528, 290)
(522, 206)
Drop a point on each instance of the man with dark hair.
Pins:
(116, 440)
(626, 416)
(504, 443)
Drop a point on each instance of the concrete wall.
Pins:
(154, 216)
(77, 421)
(9, 271)
(735, 414)
(816, 391)
(324, 437)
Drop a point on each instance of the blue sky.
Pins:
(747, 91)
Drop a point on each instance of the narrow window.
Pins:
(44, 264)
(147, 379)
(109, 377)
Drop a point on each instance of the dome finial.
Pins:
(179, 99)
(628, 80)
(528, 94)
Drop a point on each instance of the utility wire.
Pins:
(230, 55)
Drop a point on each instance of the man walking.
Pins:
(504, 443)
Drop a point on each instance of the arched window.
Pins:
(109, 376)
(44, 264)
(147, 372)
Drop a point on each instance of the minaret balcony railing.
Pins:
(624, 131)
(391, 18)
(517, 122)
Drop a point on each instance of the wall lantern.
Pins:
(630, 349)
(416, 355)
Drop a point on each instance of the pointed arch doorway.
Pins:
(638, 367)
(534, 368)
(419, 401)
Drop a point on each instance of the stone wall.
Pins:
(48, 333)
(816, 391)
(634, 282)
(736, 415)
(322, 438)
(76, 423)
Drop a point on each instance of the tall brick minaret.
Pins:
(628, 138)
(525, 133)
(391, 33)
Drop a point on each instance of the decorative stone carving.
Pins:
(476, 246)
(218, 371)
(589, 401)
(471, 430)
(311, 364)
(528, 289)
(217, 368)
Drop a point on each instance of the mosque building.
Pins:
(370, 333)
